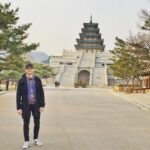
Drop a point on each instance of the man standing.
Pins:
(30, 99)
(7, 84)
(0, 85)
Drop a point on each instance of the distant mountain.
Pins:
(38, 57)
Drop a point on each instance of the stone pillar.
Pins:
(91, 76)
(92, 68)
(106, 75)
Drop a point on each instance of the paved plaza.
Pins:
(79, 119)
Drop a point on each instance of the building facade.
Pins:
(88, 64)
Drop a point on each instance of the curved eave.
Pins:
(90, 35)
(101, 41)
(84, 30)
(101, 47)
(90, 25)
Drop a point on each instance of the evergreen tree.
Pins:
(126, 64)
(12, 39)
(132, 57)
(146, 18)
(43, 71)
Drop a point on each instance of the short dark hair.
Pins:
(29, 66)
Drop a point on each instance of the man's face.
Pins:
(29, 71)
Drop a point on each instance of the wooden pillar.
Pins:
(149, 82)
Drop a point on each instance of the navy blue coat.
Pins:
(22, 96)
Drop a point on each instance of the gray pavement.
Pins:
(79, 119)
(142, 100)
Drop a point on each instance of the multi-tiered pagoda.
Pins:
(90, 38)
(88, 65)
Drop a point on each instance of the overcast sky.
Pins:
(57, 23)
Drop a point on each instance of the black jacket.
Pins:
(22, 95)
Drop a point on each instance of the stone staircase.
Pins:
(87, 59)
(67, 78)
(67, 75)
(59, 75)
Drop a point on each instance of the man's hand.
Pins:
(20, 112)
(41, 109)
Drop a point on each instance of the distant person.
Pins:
(30, 99)
(0, 85)
(7, 84)
(57, 83)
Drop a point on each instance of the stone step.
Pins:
(68, 76)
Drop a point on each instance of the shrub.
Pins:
(78, 84)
